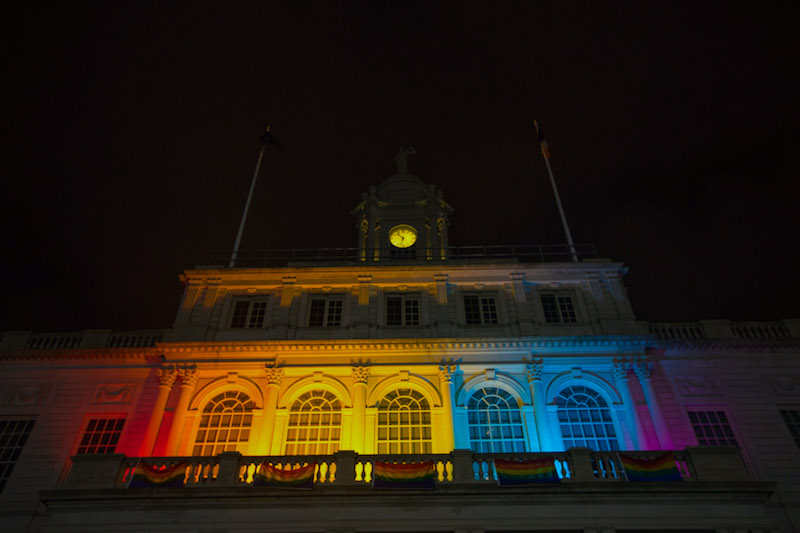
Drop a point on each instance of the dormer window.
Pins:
(480, 309)
(325, 311)
(249, 313)
(402, 310)
(558, 309)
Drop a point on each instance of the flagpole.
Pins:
(247, 204)
(546, 156)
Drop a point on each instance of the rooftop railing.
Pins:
(537, 253)
(723, 329)
(464, 467)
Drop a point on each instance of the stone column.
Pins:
(620, 369)
(166, 378)
(275, 376)
(644, 370)
(447, 373)
(357, 433)
(189, 376)
(533, 371)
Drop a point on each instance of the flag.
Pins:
(414, 476)
(662, 468)
(268, 139)
(150, 475)
(294, 478)
(542, 141)
(511, 472)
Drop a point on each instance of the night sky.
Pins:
(132, 133)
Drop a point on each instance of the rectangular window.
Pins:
(712, 428)
(480, 309)
(558, 309)
(325, 312)
(402, 311)
(249, 314)
(101, 436)
(13, 435)
(792, 419)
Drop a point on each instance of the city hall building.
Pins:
(403, 350)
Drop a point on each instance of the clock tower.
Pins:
(402, 218)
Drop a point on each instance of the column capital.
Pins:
(188, 375)
(643, 367)
(620, 368)
(360, 374)
(275, 374)
(447, 371)
(166, 376)
(534, 369)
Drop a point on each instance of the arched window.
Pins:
(495, 424)
(315, 421)
(404, 423)
(225, 424)
(585, 419)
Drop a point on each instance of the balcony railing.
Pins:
(536, 253)
(231, 469)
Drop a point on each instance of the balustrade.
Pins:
(230, 469)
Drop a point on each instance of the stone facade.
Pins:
(319, 360)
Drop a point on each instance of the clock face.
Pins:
(402, 236)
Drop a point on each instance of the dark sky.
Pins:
(132, 133)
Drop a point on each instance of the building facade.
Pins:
(404, 349)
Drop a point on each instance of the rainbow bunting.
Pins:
(510, 472)
(294, 478)
(151, 475)
(661, 468)
(415, 476)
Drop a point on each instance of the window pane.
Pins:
(578, 408)
(500, 428)
(239, 318)
(225, 432)
(101, 436)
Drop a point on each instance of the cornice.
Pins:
(680, 346)
(401, 345)
(81, 354)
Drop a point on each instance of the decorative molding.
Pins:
(447, 372)
(188, 375)
(114, 393)
(695, 385)
(28, 395)
(620, 368)
(361, 374)
(643, 369)
(534, 369)
(275, 373)
(167, 375)
(785, 385)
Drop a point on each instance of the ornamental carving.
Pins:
(167, 376)
(696, 385)
(114, 393)
(189, 375)
(275, 374)
(28, 395)
(361, 374)
(643, 369)
(785, 385)
(447, 372)
(620, 368)
(534, 369)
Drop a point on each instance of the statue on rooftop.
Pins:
(401, 159)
